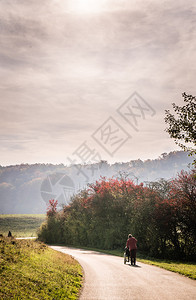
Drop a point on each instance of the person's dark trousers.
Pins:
(133, 257)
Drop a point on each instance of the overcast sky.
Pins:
(69, 71)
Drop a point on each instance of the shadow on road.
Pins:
(136, 266)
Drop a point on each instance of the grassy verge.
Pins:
(184, 268)
(31, 270)
(187, 269)
(21, 225)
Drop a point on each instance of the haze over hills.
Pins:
(28, 188)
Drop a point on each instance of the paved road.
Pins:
(26, 238)
(107, 278)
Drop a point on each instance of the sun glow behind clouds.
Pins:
(86, 6)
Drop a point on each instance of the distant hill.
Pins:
(27, 188)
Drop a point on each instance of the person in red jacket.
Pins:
(132, 246)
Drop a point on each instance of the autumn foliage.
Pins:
(162, 216)
(52, 208)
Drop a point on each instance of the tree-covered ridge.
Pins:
(21, 185)
(162, 216)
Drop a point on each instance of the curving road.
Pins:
(107, 278)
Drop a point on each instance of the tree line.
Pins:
(21, 186)
(161, 215)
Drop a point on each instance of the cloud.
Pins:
(63, 73)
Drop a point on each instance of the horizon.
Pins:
(160, 157)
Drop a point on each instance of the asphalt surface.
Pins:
(107, 277)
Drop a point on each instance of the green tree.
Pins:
(182, 124)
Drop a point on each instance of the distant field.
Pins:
(21, 225)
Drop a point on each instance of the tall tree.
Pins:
(182, 124)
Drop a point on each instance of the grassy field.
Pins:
(31, 270)
(21, 225)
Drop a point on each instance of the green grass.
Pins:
(21, 225)
(184, 268)
(27, 225)
(187, 269)
(31, 270)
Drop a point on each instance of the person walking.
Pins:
(132, 246)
